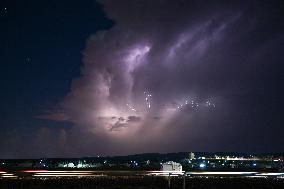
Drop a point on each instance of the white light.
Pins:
(137, 53)
(64, 175)
(202, 165)
(270, 174)
(9, 176)
(46, 171)
(220, 173)
(75, 173)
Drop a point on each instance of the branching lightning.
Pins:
(131, 108)
(188, 104)
(148, 99)
(193, 104)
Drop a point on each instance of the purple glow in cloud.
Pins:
(166, 77)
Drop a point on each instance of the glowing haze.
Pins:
(176, 76)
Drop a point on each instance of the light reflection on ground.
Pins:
(88, 173)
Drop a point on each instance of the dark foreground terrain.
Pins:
(145, 182)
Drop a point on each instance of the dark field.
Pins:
(141, 183)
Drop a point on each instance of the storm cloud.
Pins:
(180, 76)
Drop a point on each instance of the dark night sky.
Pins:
(82, 78)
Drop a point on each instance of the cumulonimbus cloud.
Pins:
(169, 76)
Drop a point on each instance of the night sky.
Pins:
(88, 78)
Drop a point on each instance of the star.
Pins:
(4, 10)
(28, 59)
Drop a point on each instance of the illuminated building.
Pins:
(171, 166)
(191, 156)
